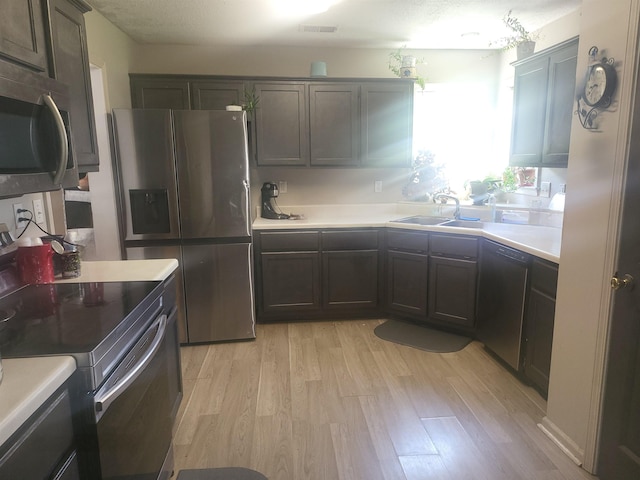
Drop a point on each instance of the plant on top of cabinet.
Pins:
(520, 38)
(251, 100)
(404, 66)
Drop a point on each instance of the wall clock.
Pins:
(597, 89)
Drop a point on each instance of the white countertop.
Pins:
(26, 385)
(123, 271)
(541, 241)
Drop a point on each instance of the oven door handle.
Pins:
(103, 399)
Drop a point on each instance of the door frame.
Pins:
(629, 111)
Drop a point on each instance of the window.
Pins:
(460, 124)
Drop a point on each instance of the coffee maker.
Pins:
(270, 191)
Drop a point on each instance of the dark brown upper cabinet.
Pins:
(22, 34)
(386, 119)
(334, 124)
(281, 125)
(543, 106)
(69, 63)
(301, 122)
(216, 95)
(159, 92)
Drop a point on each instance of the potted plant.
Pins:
(250, 102)
(404, 66)
(509, 180)
(521, 39)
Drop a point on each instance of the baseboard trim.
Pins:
(564, 443)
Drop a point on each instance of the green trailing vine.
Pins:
(519, 34)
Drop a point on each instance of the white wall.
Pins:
(596, 163)
(6, 214)
(110, 53)
(101, 183)
(111, 50)
(439, 66)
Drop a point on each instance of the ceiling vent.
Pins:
(318, 28)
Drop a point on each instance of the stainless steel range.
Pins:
(124, 338)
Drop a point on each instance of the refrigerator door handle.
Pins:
(245, 184)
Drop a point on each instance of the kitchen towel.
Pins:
(422, 337)
(227, 473)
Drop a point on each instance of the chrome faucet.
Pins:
(438, 196)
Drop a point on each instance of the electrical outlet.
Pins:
(377, 186)
(282, 186)
(38, 211)
(16, 215)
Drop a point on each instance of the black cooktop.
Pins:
(80, 319)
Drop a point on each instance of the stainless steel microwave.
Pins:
(36, 153)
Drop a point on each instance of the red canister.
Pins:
(35, 264)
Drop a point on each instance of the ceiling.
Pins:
(430, 24)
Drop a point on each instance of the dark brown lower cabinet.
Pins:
(452, 291)
(350, 270)
(407, 273)
(539, 322)
(407, 283)
(453, 280)
(290, 282)
(306, 274)
(350, 279)
(43, 447)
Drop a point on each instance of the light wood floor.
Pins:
(330, 400)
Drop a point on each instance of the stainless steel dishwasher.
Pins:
(503, 283)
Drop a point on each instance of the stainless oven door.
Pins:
(134, 409)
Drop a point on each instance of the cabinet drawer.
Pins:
(351, 240)
(407, 241)
(49, 433)
(544, 277)
(289, 241)
(454, 246)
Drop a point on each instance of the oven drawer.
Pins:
(145, 387)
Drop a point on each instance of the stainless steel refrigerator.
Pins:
(183, 178)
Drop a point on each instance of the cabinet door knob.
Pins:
(624, 282)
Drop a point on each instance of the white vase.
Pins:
(525, 49)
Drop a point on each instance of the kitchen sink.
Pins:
(462, 223)
(423, 220)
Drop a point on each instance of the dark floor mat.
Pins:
(422, 337)
(228, 473)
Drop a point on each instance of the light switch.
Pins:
(377, 186)
(38, 211)
(545, 189)
(282, 186)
